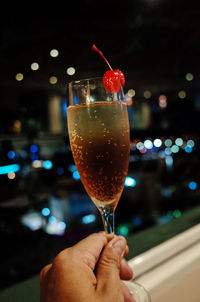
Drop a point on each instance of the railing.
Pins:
(171, 270)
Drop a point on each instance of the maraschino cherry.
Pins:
(111, 78)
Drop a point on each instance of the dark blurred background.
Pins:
(156, 43)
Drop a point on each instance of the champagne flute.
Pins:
(99, 136)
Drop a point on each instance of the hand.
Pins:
(90, 271)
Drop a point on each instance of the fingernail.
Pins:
(110, 236)
(119, 246)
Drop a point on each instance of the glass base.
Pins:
(138, 291)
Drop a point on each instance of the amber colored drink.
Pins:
(100, 143)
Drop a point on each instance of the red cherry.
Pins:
(111, 79)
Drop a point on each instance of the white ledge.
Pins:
(164, 251)
(175, 280)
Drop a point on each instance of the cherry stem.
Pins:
(96, 49)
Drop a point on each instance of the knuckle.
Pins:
(110, 260)
(61, 258)
(99, 236)
(64, 258)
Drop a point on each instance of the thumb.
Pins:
(108, 269)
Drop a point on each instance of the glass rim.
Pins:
(84, 79)
(87, 79)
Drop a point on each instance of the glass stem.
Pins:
(108, 215)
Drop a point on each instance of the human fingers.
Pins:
(126, 272)
(109, 236)
(44, 271)
(89, 249)
(108, 269)
(43, 278)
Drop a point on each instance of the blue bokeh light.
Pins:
(188, 149)
(47, 164)
(11, 154)
(33, 148)
(52, 219)
(62, 225)
(130, 182)
(192, 185)
(75, 175)
(88, 219)
(46, 211)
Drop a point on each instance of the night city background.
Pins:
(156, 44)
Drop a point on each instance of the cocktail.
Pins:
(99, 136)
(98, 128)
